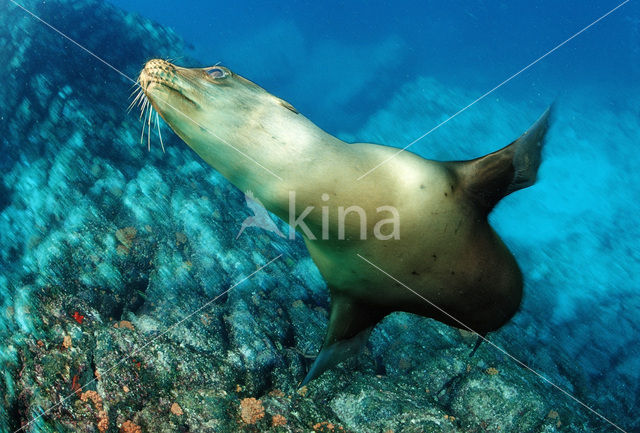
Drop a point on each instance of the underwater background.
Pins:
(107, 249)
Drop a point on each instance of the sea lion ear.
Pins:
(350, 324)
(286, 105)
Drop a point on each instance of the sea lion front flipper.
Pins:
(350, 324)
(481, 338)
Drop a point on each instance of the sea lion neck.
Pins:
(236, 126)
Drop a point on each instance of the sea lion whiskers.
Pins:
(142, 133)
(149, 130)
(159, 135)
(135, 94)
(145, 103)
(172, 59)
(146, 113)
(135, 87)
(138, 98)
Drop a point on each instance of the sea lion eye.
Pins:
(216, 72)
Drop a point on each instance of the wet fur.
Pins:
(449, 264)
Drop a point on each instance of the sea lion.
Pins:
(425, 222)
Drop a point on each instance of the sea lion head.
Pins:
(201, 104)
(226, 119)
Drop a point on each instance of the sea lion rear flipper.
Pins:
(489, 178)
(350, 324)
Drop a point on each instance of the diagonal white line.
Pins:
(494, 89)
(134, 352)
(522, 364)
(136, 83)
(199, 309)
(72, 41)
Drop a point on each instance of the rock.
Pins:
(493, 403)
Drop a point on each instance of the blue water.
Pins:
(388, 72)
(339, 62)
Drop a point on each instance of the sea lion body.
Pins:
(446, 252)
(447, 263)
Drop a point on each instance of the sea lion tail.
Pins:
(486, 180)
(350, 324)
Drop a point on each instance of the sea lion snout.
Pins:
(161, 76)
(156, 71)
(196, 85)
(158, 64)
